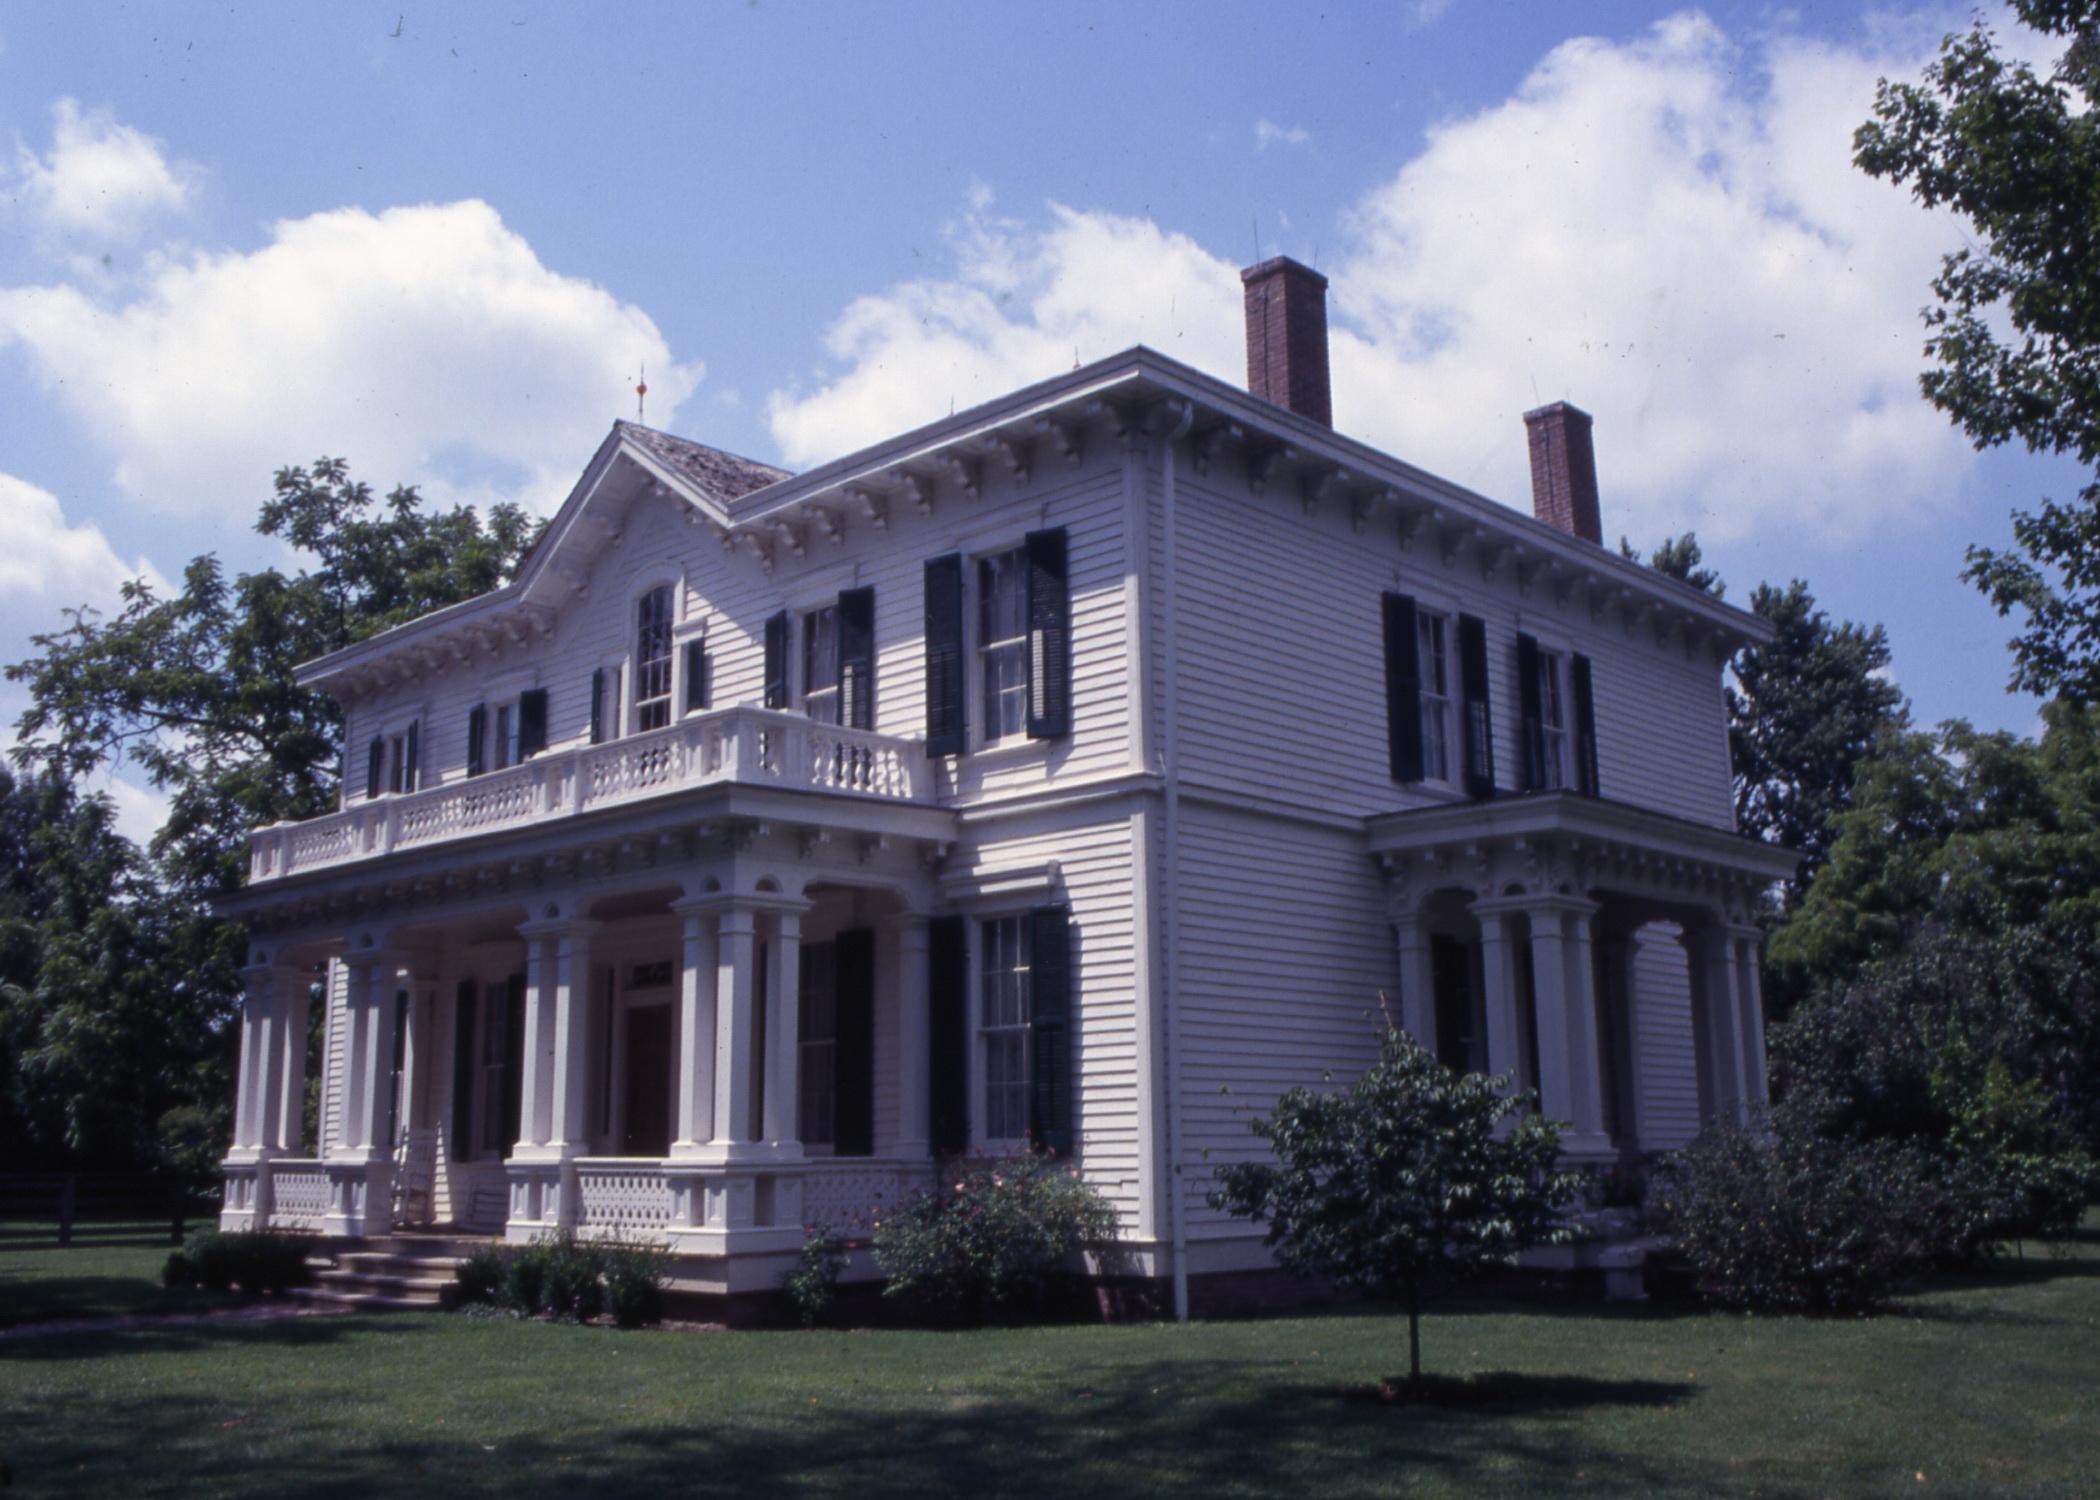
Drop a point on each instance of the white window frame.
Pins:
(1013, 650)
(499, 745)
(392, 732)
(626, 717)
(683, 634)
(1006, 1034)
(1443, 753)
(819, 704)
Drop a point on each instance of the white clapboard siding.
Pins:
(1285, 953)
(1281, 660)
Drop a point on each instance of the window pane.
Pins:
(1002, 642)
(652, 659)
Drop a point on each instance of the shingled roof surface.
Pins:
(722, 475)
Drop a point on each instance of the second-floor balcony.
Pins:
(749, 746)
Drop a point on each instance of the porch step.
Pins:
(329, 1296)
(389, 1275)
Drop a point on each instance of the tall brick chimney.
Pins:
(1564, 470)
(1287, 337)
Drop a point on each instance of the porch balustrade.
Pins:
(640, 1199)
(752, 746)
(298, 1194)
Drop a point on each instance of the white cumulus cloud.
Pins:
(1268, 133)
(1666, 230)
(424, 343)
(100, 177)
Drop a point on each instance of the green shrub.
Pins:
(259, 1261)
(480, 1279)
(993, 1244)
(572, 1289)
(1785, 1220)
(524, 1281)
(634, 1284)
(812, 1282)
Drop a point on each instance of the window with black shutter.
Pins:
(1403, 689)
(1479, 718)
(410, 758)
(1532, 712)
(944, 655)
(477, 739)
(1585, 727)
(857, 658)
(777, 660)
(532, 722)
(1049, 636)
(375, 765)
(1050, 1030)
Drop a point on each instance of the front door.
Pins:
(648, 1082)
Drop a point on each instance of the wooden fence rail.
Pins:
(105, 1205)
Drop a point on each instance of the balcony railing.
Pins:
(753, 746)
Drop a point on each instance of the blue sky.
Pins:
(441, 240)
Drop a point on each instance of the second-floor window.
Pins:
(1432, 646)
(1553, 720)
(820, 664)
(652, 659)
(1002, 642)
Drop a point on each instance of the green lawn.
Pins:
(1981, 1388)
(44, 1282)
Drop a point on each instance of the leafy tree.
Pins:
(1400, 1180)
(2015, 332)
(1803, 711)
(196, 688)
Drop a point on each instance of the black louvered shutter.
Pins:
(409, 758)
(777, 660)
(1533, 711)
(1479, 718)
(948, 1036)
(853, 1058)
(857, 658)
(944, 655)
(697, 687)
(1050, 1029)
(1049, 636)
(532, 722)
(477, 737)
(462, 1142)
(1585, 728)
(597, 705)
(375, 765)
(1403, 689)
(513, 1061)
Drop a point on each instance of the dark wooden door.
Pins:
(648, 1082)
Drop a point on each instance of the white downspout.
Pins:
(1177, 1211)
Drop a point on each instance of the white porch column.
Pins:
(370, 1045)
(914, 1036)
(1498, 974)
(287, 1127)
(255, 1000)
(783, 1061)
(697, 986)
(1564, 994)
(1745, 943)
(568, 1126)
(1417, 979)
(536, 1077)
(1716, 1033)
(736, 1027)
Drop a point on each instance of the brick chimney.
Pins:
(1564, 470)
(1287, 337)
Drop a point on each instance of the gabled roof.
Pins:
(768, 511)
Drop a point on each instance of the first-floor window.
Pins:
(1003, 1027)
(820, 664)
(495, 1052)
(1002, 642)
(1432, 651)
(819, 1044)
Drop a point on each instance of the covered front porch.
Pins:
(1602, 956)
(710, 1057)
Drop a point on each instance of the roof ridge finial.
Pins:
(641, 394)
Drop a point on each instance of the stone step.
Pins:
(331, 1296)
(389, 1261)
(392, 1283)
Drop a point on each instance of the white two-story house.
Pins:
(1078, 772)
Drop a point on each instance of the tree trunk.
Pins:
(1414, 1340)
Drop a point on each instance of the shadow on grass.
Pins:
(1510, 1392)
(1220, 1428)
(308, 1331)
(50, 1299)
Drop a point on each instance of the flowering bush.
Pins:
(993, 1241)
(813, 1280)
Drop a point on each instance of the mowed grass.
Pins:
(42, 1281)
(1986, 1387)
